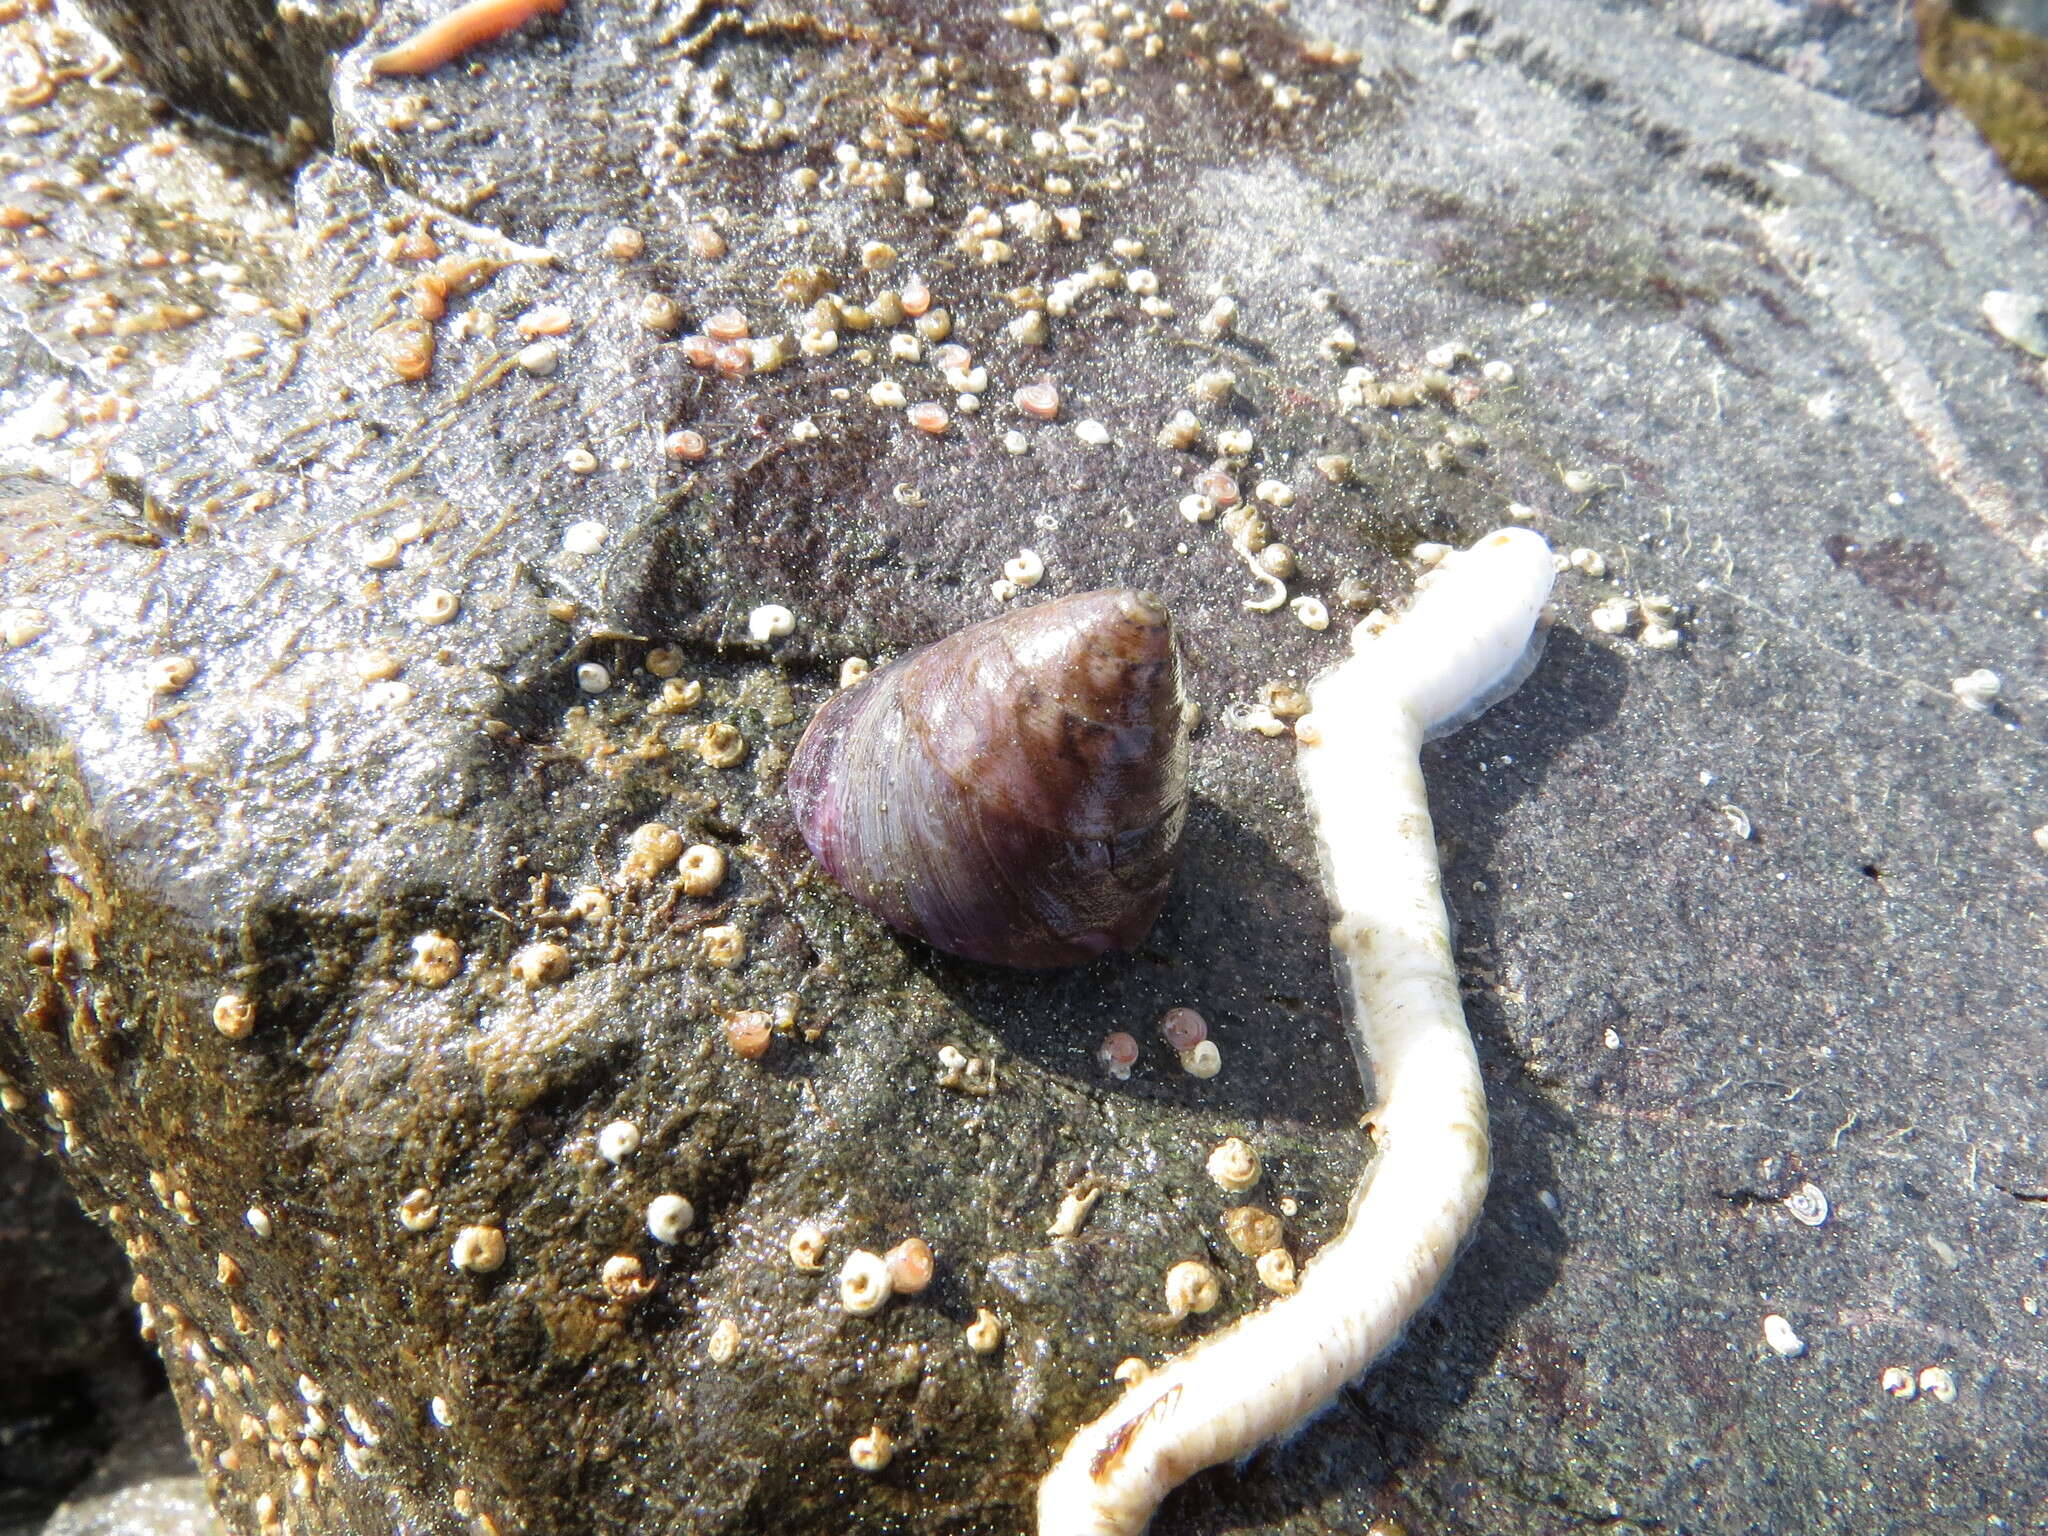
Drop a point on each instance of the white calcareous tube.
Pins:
(1464, 642)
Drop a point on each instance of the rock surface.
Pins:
(145, 1487)
(1753, 910)
(163, 1506)
(257, 64)
(1864, 54)
(70, 1365)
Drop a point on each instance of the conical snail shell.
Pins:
(1013, 793)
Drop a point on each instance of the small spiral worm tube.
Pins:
(1463, 643)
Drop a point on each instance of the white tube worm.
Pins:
(1463, 643)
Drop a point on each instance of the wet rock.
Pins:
(320, 889)
(146, 1485)
(164, 1506)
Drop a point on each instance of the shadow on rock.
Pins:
(71, 1366)
(1241, 941)
(1380, 1431)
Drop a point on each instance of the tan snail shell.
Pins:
(1013, 793)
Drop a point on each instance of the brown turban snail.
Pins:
(1013, 793)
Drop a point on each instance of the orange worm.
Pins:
(459, 31)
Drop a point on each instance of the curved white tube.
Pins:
(1462, 644)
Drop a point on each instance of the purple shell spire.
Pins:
(1013, 793)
